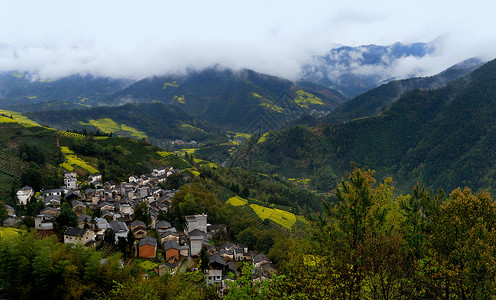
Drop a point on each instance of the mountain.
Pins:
(160, 124)
(234, 100)
(355, 70)
(23, 92)
(376, 100)
(443, 137)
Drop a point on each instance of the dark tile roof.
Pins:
(118, 226)
(137, 223)
(171, 245)
(75, 231)
(216, 259)
(148, 241)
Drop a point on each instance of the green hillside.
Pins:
(440, 137)
(155, 122)
(233, 100)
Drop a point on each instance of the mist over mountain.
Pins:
(354, 70)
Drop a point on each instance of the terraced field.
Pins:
(72, 161)
(280, 217)
(19, 118)
(237, 201)
(107, 125)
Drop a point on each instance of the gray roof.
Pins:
(171, 245)
(85, 218)
(197, 232)
(137, 223)
(118, 226)
(148, 241)
(75, 231)
(163, 224)
(216, 259)
(260, 257)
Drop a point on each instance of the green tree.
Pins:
(141, 213)
(66, 218)
(463, 247)
(3, 212)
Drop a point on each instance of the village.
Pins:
(174, 250)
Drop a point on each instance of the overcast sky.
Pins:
(142, 38)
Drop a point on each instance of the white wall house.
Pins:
(24, 194)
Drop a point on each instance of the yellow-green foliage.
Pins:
(303, 99)
(237, 201)
(19, 118)
(192, 127)
(245, 136)
(256, 95)
(9, 232)
(172, 84)
(281, 217)
(205, 163)
(147, 265)
(193, 171)
(107, 125)
(182, 151)
(33, 97)
(179, 99)
(133, 132)
(263, 138)
(164, 153)
(271, 106)
(66, 150)
(4, 119)
(100, 137)
(72, 160)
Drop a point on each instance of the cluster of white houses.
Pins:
(116, 204)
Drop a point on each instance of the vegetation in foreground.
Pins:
(369, 244)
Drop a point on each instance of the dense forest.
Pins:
(442, 137)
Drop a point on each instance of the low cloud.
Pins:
(124, 39)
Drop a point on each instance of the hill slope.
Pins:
(441, 137)
(23, 92)
(376, 100)
(157, 122)
(232, 100)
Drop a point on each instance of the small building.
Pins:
(79, 236)
(70, 181)
(196, 240)
(171, 249)
(43, 222)
(213, 277)
(52, 200)
(24, 194)
(120, 229)
(167, 268)
(139, 229)
(95, 178)
(10, 211)
(197, 222)
(147, 247)
(85, 220)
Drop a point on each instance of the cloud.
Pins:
(130, 39)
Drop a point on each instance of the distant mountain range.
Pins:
(442, 137)
(355, 70)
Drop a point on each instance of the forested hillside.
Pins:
(156, 122)
(440, 137)
(233, 100)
